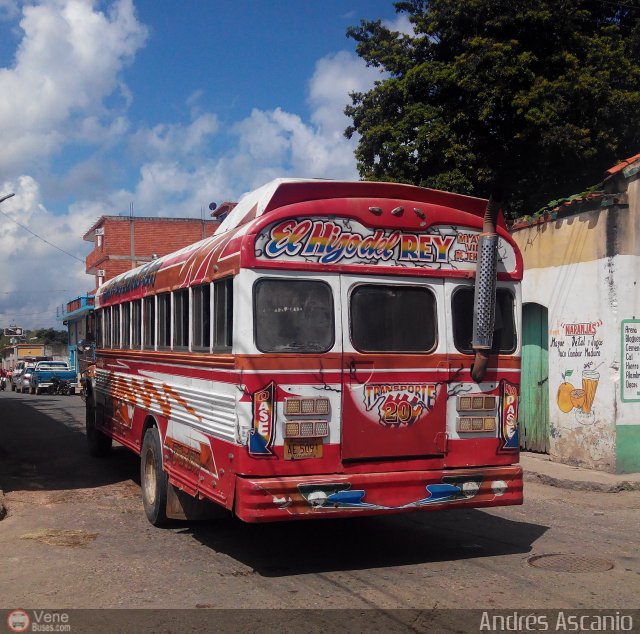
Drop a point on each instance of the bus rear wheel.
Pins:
(98, 442)
(153, 478)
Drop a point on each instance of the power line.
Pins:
(41, 238)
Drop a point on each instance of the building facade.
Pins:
(122, 243)
(581, 327)
(32, 351)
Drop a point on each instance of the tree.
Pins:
(50, 335)
(534, 98)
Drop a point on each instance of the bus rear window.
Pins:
(293, 316)
(387, 318)
(504, 334)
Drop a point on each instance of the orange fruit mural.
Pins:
(565, 390)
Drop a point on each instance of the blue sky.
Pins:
(163, 105)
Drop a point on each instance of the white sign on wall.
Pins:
(630, 374)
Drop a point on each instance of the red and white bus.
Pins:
(314, 358)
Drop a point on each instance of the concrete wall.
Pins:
(585, 270)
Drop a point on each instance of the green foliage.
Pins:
(50, 335)
(41, 335)
(531, 98)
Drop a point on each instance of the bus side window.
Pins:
(136, 323)
(149, 317)
(201, 317)
(126, 324)
(223, 314)
(115, 324)
(164, 320)
(98, 328)
(181, 319)
(107, 327)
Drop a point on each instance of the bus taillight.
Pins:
(477, 413)
(474, 403)
(468, 424)
(306, 429)
(306, 406)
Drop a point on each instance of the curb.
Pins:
(582, 485)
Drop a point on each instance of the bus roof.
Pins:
(287, 191)
(220, 254)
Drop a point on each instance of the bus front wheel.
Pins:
(153, 478)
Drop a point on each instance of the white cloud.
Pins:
(401, 24)
(183, 173)
(172, 140)
(278, 143)
(32, 269)
(67, 64)
(335, 77)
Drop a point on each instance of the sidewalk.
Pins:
(539, 467)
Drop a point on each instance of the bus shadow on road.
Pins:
(295, 548)
(43, 447)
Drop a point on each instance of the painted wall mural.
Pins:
(579, 350)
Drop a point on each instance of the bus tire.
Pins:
(153, 478)
(98, 442)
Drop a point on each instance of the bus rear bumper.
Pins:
(306, 497)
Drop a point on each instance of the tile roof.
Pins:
(620, 166)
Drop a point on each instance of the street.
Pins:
(76, 537)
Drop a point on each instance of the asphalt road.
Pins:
(76, 537)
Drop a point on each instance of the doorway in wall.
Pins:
(534, 406)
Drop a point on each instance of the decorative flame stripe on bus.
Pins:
(143, 392)
(191, 458)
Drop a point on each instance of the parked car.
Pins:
(42, 376)
(16, 377)
(24, 382)
(19, 368)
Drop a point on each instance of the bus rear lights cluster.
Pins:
(306, 406)
(467, 424)
(476, 403)
(306, 429)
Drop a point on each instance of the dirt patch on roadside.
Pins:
(61, 537)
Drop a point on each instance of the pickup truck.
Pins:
(43, 373)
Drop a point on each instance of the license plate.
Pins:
(300, 449)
